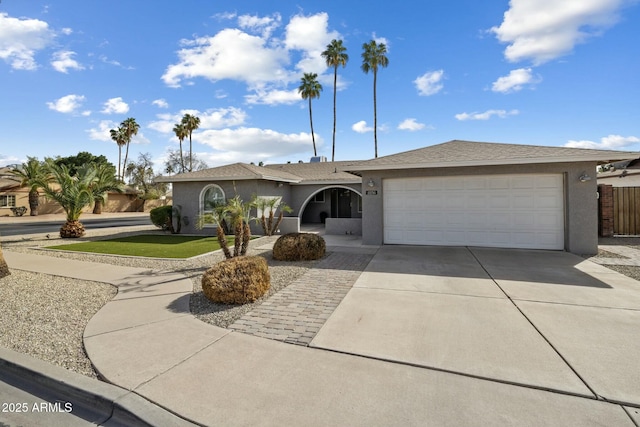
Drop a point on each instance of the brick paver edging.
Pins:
(296, 313)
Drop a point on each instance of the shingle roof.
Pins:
(235, 171)
(320, 172)
(468, 153)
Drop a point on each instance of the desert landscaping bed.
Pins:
(44, 316)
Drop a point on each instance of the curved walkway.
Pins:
(145, 340)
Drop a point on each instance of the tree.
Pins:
(105, 181)
(173, 163)
(31, 174)
(310, 88)
(142, 176)
(335, 55)
(73, 194)
(120, 137)
(265, 213)
(83, 157)
(181, 132)
(130, 128)
(373, 57)
(190, 123)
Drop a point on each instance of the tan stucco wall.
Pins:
(581, 210)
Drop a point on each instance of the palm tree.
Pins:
(181, 132)
(373, 56)
(120, 137)
(74, 193)
(4, 268)
(335, 55)
(130, 128)
(310, 88)
(190, 123)
(105, 181)
(31, 174)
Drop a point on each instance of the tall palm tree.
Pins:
(181, 132)
(374, 56)
(310, 88)
(105, 181)
(31, 174)
(73, 194)
(130, 128)
(120, 138)
(335, 55)
(191, 123)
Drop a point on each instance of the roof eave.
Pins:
(329, 182)
(498, 162)
(173, 179)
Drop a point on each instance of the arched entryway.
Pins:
(336, 208)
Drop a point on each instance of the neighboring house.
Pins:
(12, 195)
(314, 191)
(458, 193)
(622, 174)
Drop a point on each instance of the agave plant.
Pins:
(73, 193)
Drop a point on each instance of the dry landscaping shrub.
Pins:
(4, 268)
(237, 280)
(299, 247)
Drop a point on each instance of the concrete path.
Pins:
(146, 341)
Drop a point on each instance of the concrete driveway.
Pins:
(541, 319)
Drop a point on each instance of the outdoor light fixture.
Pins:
(371, 183)
(280, 184)
(584, 177)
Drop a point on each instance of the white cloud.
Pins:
(429, 83)
(66, 31)
(232, 145)
(210, 119)
(486, 115)
(611, 142)
(63, 61)
(115, 106)
(253, 54)
(361, 127)
(410, 125)
(541, 31)
(101, 132)
(160, 103)
(67, 104)
(515, 81)
(21, 38)
(273, 97)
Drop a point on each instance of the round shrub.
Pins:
(299, 247)
(161, 217)
(237, 280)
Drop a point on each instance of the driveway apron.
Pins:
(542, 319)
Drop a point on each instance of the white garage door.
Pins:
(508, 211)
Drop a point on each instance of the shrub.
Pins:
(237, 280)
(4, 268)
(162, 217)
(299, 247)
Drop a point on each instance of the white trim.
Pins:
(201, 200)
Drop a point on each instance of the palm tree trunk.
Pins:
(222, 240)
(335, 82)
(97, 207)
(124, 165)
(4, 268)
(246, 237)
(238, 230)
(181, 159)
(33, 202)
(375, 115)
(313, 138)
(190, 153)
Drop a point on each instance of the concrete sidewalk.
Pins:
(146, 341)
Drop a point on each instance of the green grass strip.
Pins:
(153, 246)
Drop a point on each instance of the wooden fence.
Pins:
(626, 210)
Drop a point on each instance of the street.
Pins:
(36, 227)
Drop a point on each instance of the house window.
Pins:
(7, 201)
(211, 197)
(319, 197)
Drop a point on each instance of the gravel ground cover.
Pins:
(44, 316)
(627, 270)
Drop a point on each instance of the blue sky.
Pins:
(525, 72)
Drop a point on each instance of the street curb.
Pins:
(95, 401)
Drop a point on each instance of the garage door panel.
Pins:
(519, 211)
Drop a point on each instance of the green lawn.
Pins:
(154, 246)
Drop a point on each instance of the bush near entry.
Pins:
(299, 247)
